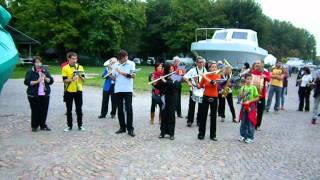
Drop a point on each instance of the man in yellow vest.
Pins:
(73, 76)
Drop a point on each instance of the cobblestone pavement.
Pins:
(288, 147)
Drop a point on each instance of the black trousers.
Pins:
(127, 98)
(213, 103)
(304, 96)
(191, 109)
(260, 108)
(77, 97)
(222, 106)
(105, 102)
(155, 100)
(178, 99)
(39, 109)
(168, 118)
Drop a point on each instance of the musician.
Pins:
(176, 66)
(38, 80)
(123, 74)
(193, 77)
(260, 77)
(210, 97)
(108, 90)
(249, 95)
(225, 93)
(168, 89)
(155, 97)
(73, 77)
(275, 87)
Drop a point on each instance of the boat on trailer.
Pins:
(237, 46)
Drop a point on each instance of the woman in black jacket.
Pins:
(167, 89)
(38, 80)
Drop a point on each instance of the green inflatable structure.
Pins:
(8, 51)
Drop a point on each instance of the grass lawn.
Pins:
(140, 82)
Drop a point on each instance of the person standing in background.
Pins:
(275, 87)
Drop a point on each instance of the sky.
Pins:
(303, 14)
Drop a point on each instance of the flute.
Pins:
(213, 72)
(156, 80)
(111, 71)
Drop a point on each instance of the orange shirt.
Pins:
(209, 89)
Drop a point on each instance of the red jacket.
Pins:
(266, 79)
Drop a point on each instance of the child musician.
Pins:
(249, 96)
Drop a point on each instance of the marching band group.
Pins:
(210, 85)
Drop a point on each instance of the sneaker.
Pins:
(249, 141)
(222, 119)
(67, 129)
(241, 139)
(258, 129)
(313, 121)
(282, 108)
(81, 128)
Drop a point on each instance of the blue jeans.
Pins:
(246, 126)
(282, 96)
(272, 90)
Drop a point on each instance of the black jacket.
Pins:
(32, 75)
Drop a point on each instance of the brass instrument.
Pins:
(226, 89)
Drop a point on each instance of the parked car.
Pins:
(25, 60)
(151, 61)
(137, 61)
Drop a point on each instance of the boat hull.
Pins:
(236, 54)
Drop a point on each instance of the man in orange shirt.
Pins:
(210, 97)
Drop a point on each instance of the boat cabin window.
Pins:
(220, 35)
(239, 35)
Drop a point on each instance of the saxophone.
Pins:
(226, 89)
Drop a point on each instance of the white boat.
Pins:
(237, 46)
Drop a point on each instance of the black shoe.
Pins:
(131, 133)
(34, 129)
(45, 129)
(180, 116)
(214, 139)
(112, 116)
(189, 124)
(100, 117)
(161, 136)
(200, 137)
(121, 131)
(171, 137)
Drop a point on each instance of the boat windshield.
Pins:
(220, 35)
(239, 35)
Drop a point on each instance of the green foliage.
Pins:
(99, 28)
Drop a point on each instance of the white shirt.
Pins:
(122, 83)
(194, 72)
(307, 78)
